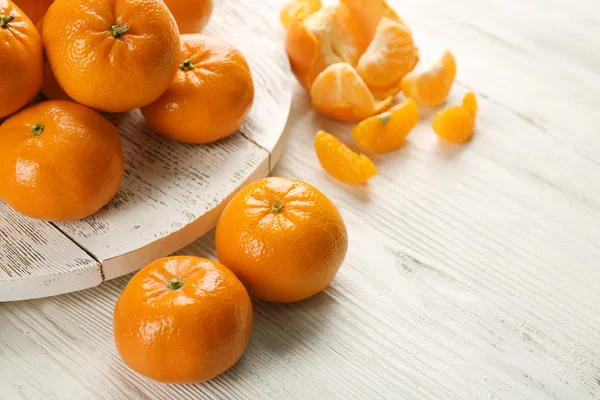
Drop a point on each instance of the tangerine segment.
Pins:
(370, 13)
(388, 131)
(326, 37)
(340, 93)
(455, 124)
(298, 10)
(470, 103)
(341, 162)
(431, 87)
(390, 56)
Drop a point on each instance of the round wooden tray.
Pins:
(171, 193)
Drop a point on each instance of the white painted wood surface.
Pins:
(171, 193)
(473, 272)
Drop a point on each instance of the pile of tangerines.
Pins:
(188, 319)
(179, 319)
(354, 58)
(62, 160)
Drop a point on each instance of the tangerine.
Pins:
(210, 97)
(126, 53)
(59, 161)
(22, 59)
(283, 238)
(182, 320)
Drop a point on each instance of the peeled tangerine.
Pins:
(341, 162)
(456, 124)
(387, 131)
(326, 37)
(340, 93)
(391, 55)
(430, 88)
(298, 10)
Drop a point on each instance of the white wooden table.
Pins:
(473, 272)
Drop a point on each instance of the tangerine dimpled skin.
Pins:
(112, 55)
(182, 320)
(191, 16)
(34, 9)
(284, 239)
(59, 161)
(22, 59)
(210, 97)
(50, 87)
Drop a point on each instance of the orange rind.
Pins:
(430, 88)
(342, 163)
(326, 37)
(391, 55)
(298, 10)
(370, 13)
(457, 124)
(387, 131)
(340, 93)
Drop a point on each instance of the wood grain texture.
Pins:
(472, 271)
(36, 259)
(173, 193)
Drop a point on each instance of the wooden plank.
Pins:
(36, 260)
(171, 195)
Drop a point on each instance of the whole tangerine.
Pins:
(112, 55)
(191, 16)
(22, 59)
(59, 161)
(50, 87)
(283, 238)
(182, 320)
(34, 9)
(210, 97)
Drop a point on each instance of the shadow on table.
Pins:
(279, 331)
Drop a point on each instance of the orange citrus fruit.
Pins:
(431, 87)
(59, 161)
(191, 16)
(456, 124)
(210, 97)
(50, 87)
(283, 238)
(126, 52)
(182, 320)
(341, 162)
(22, 59)
(326, 37)
(34, 9)
(340, 93)
(387, 131)
(298, 10)
(390, 56)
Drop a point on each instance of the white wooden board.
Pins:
(171, 193)
(472, 272)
